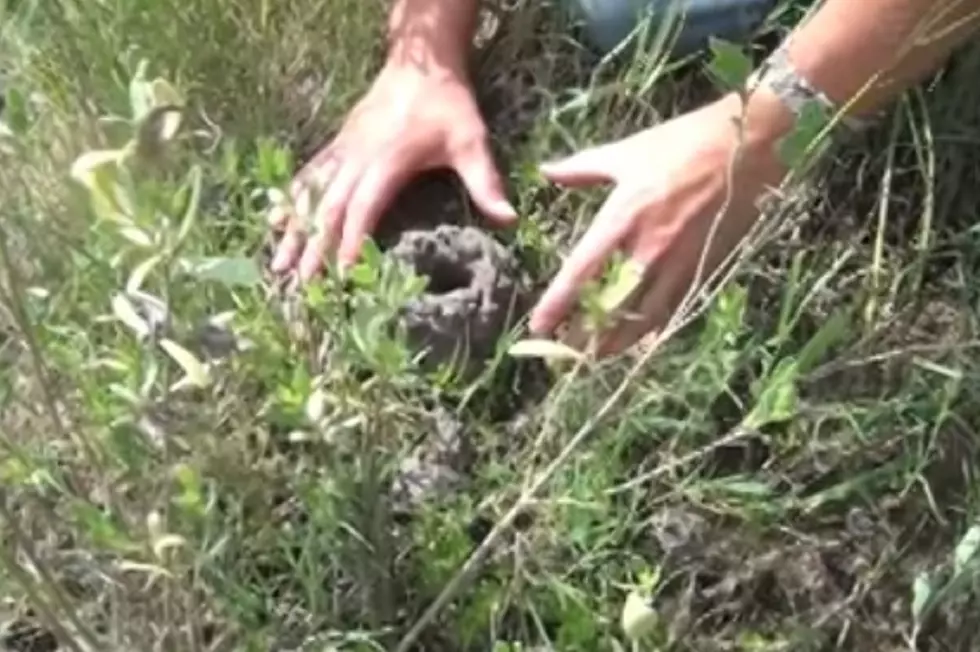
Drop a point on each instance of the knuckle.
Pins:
(359, 209)
(470, 142)
(331, 213)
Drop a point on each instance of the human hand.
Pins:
(413, 119)
(669, 184)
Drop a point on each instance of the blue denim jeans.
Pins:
(609, 22)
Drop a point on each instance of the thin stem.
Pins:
(527, 497)
(15, 298)
(68, 612)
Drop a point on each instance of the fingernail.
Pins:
(535, 324)
(506, 209)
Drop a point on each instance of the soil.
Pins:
(472, 295)
(437, 467)
(26, 636)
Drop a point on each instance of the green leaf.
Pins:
(140, 93)
(624, 279)
(363, 276)
(163, 94)
(966, 550)
(795, 148)
(922, 591)
(16, 113)
(136, 235)
(98, 171)
(778, 401)
(274, 164)
(101, 527)
(831, 332)
(138, 276)
(191, 497)
(14, 472)
(726, 319)
(746, 488)
(195, 179)
(729, 65)
(230, 272)
(371, 254)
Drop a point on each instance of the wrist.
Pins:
(432, 35)
(763, 118)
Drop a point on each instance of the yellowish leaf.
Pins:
(150, 569)
(139, 274)
(137, 236)
(638, 617)
(126, 312)
(88, 164)
(547, 349)
(164, 94)
(625, 280)
(316, 405)
(197, 373)
(154, 524)
(98, 171)
(164, 543)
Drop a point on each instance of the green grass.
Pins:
(794, 471)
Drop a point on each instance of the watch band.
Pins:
(795, 91)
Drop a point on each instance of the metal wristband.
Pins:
(779, 75)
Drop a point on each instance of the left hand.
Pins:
(669, 183)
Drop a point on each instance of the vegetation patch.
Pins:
(197, 457)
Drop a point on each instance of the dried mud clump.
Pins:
(472, 296)
(437, 467)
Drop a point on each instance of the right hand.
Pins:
(411, 121)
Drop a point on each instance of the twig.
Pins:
(67, 611)
(15, 297)
(527, 496)
(661, 470)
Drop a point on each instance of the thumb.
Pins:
(477, 170)
(589, 167)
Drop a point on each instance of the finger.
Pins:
(316, 177)
(589, 167)
(329, 218)
(476, 167)
(290, 247)
(278, 217)
(652, 312)
(375, 191)
(618, 304)
(688, 258)
(302, 188)
(672, 267)
(610, 226)
(317, 173)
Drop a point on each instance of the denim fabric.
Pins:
(608, 22)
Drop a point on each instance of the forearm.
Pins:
(889, 43)
(432, 33)
(862, 55)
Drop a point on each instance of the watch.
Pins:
(781, 77)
